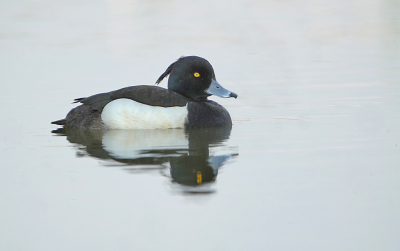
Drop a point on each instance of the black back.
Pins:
(148, 95)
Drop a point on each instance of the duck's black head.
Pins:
(194, 78)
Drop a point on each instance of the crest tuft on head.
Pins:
(167, 71)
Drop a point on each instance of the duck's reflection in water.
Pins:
(190, 158)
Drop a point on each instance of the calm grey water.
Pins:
(312, 161)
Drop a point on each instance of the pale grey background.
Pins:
(316, 125)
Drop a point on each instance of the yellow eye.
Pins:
(196, 74)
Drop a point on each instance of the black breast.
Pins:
(207, 114)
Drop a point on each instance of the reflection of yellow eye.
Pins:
(199, 178)
(196, 74)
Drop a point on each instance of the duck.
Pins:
(184, 104)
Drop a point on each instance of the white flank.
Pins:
(129, 114)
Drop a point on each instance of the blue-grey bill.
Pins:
(216, 89)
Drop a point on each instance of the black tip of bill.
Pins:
(233, 95)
